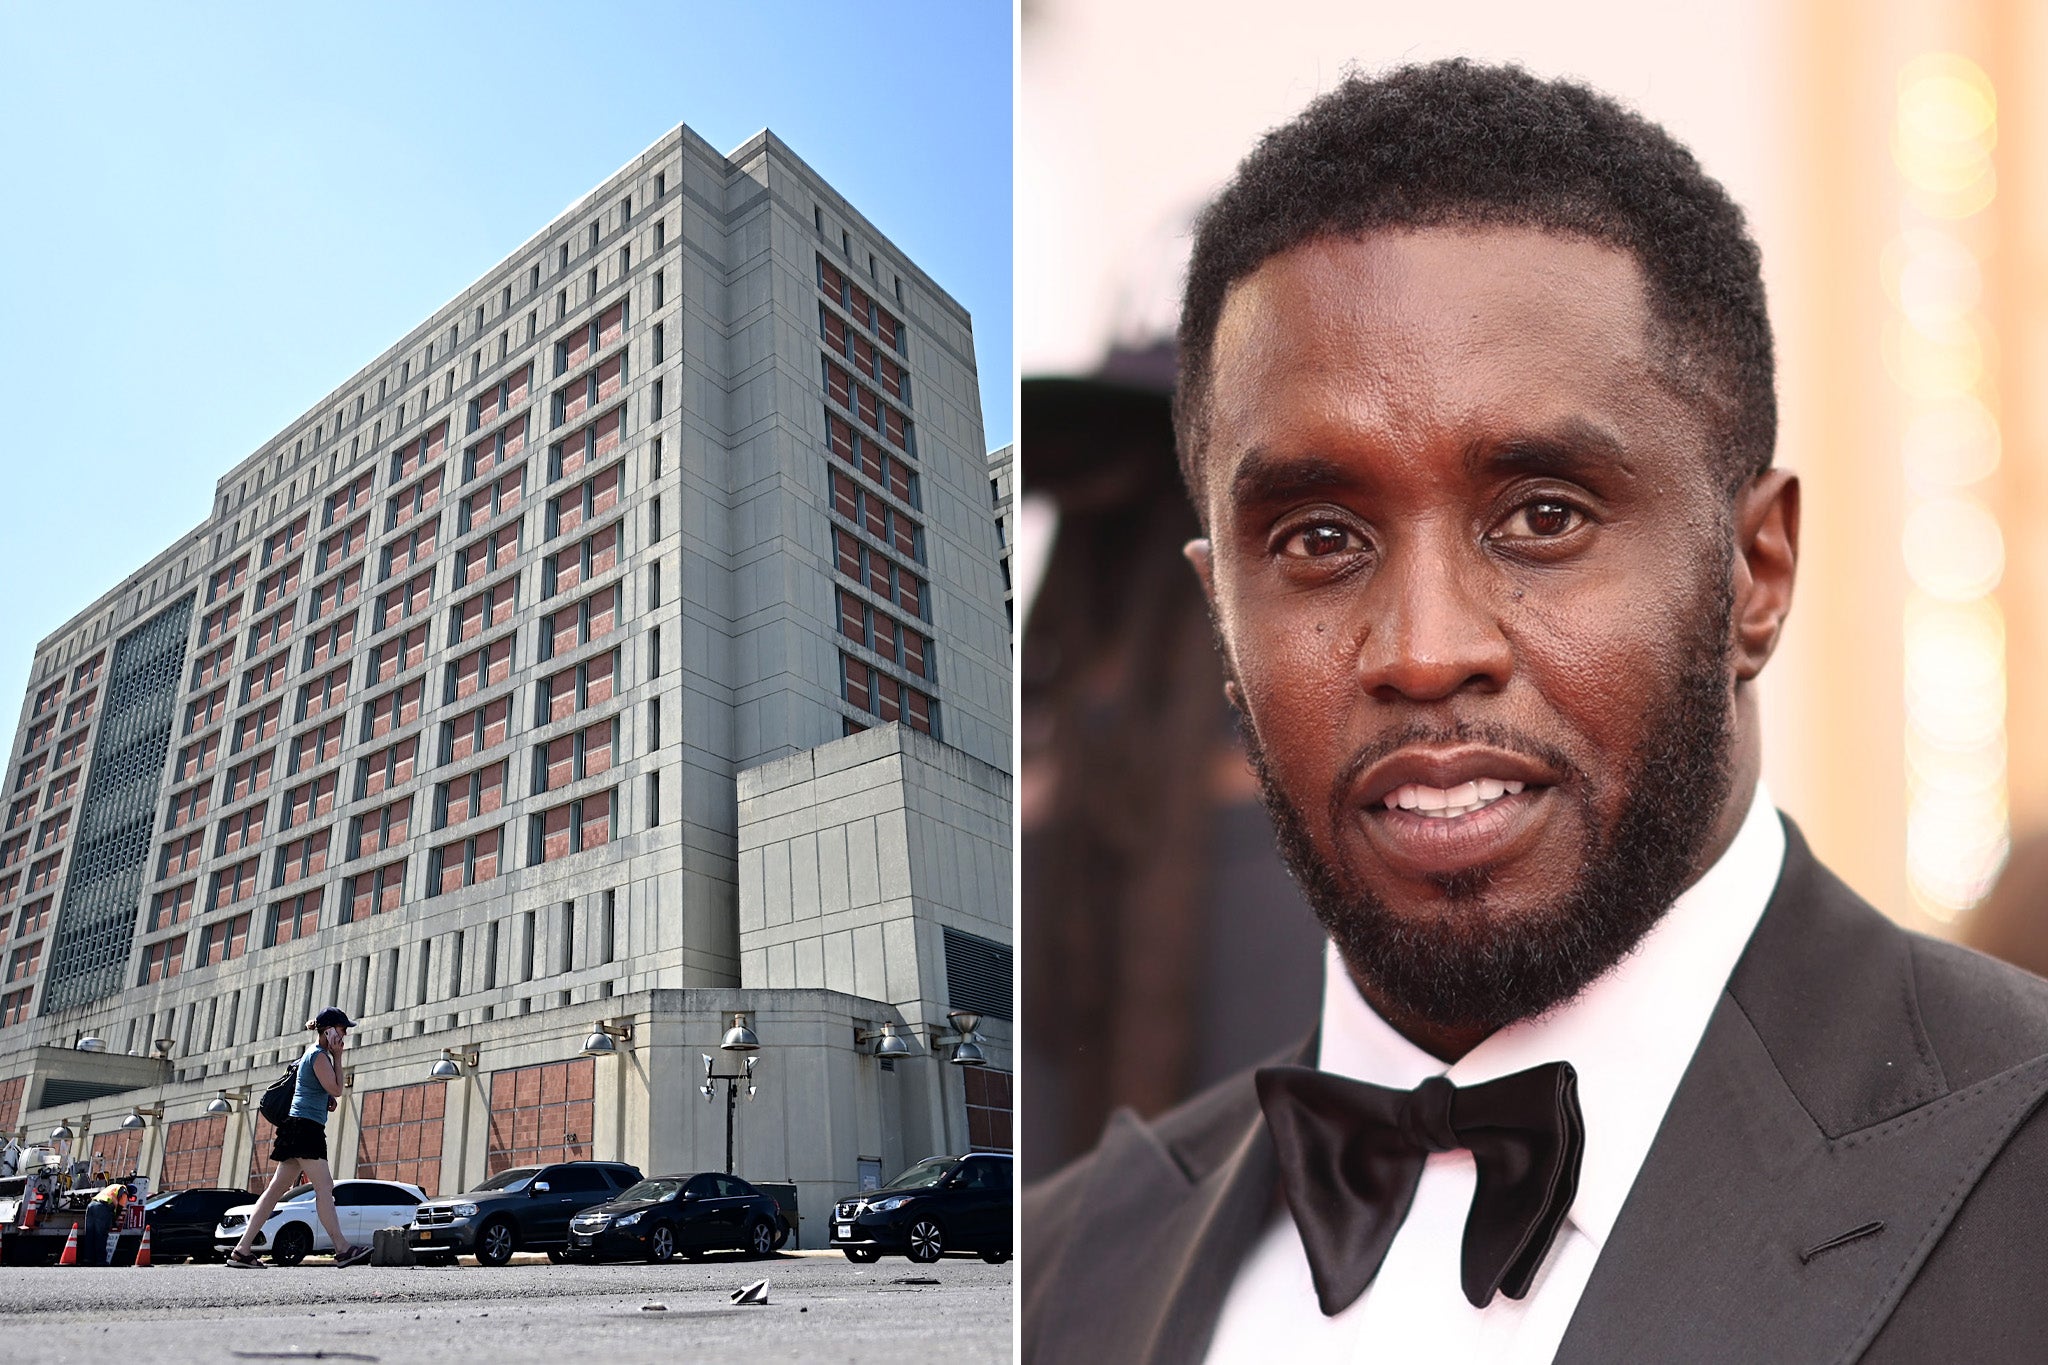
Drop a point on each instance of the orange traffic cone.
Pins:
(70, 1256)
(142, 1252)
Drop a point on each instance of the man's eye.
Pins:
(1544, 519)
(1314, 542)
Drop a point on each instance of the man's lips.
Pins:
(1431, 812)
(1447, 772)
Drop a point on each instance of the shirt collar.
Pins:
(1629, 1035)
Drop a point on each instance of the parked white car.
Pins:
(294, 1231)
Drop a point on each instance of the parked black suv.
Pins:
(181, 1222)
(680, 1214)
(942, 1204)
(524, 1209)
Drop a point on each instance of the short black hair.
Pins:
(1459, 144)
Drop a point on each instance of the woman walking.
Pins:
(301, 1146)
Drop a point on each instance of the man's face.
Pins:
(1471, 562)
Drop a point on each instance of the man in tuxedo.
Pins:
(1477, 411)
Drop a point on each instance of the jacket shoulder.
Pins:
(1982, 1016)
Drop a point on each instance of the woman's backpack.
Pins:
(276, 1102)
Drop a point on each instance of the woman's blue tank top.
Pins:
(309, 1101)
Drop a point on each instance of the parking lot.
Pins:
(821, 1308)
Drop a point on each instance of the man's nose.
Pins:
(1432, 628)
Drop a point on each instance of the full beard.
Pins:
(1486, 967)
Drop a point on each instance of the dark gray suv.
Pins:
(527, 1208)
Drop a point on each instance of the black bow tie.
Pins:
(1351, 1155)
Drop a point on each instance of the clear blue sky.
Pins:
(216, 213)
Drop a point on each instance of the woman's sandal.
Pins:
(246, 1260)
(355, 1253)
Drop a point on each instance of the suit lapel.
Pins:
(1163, 1228)
(1811, 1158)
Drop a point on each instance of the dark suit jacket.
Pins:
(1852, 1074)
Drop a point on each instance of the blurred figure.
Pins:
(2012, 920)
(1165, 945)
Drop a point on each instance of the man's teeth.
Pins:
(1443, 803)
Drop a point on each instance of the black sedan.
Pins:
(181, 1222)
(942, 1204)
(685, 1215)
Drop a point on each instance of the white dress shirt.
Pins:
(1630, 1036)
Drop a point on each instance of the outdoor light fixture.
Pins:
(733, 1079)
(740, 1038)
(599, 1043)
(449, 1068)
(62, 1132)
(226, 1102)
(163, 1047)
(139, 1117)
(91, 1042)
(888, 1042)
(967, 1047)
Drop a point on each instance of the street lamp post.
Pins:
(739, 1038)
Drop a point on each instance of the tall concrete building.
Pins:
(1002, 492)
(621, 651)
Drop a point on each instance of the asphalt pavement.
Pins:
(821, 1307)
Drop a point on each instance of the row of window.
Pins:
(574, 826)
(885, 635)
(583, 753)
(867, 358)
(587, 683)
(878, 417)
(874, 691)
(860, 307)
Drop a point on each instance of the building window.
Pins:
(224, 940)
(372, 893)
(472, 794)
(389, 767)
(595, 554)
(988, 1109)
(314, 747)
(308, 802)
(874, 691)
(573, 757)
(300, 859)
(380, 830)
(592, 498)
(541, 1114)
(484, 667)
(574, 689)
(400, 1134)
(292, 919)
(571, 827)
(495, 402)
(476, 730)
(579, 623)
(172, 906)
(192, 1152)
(464, 862)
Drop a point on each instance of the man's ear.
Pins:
(1201, 554)
(1766, 562)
